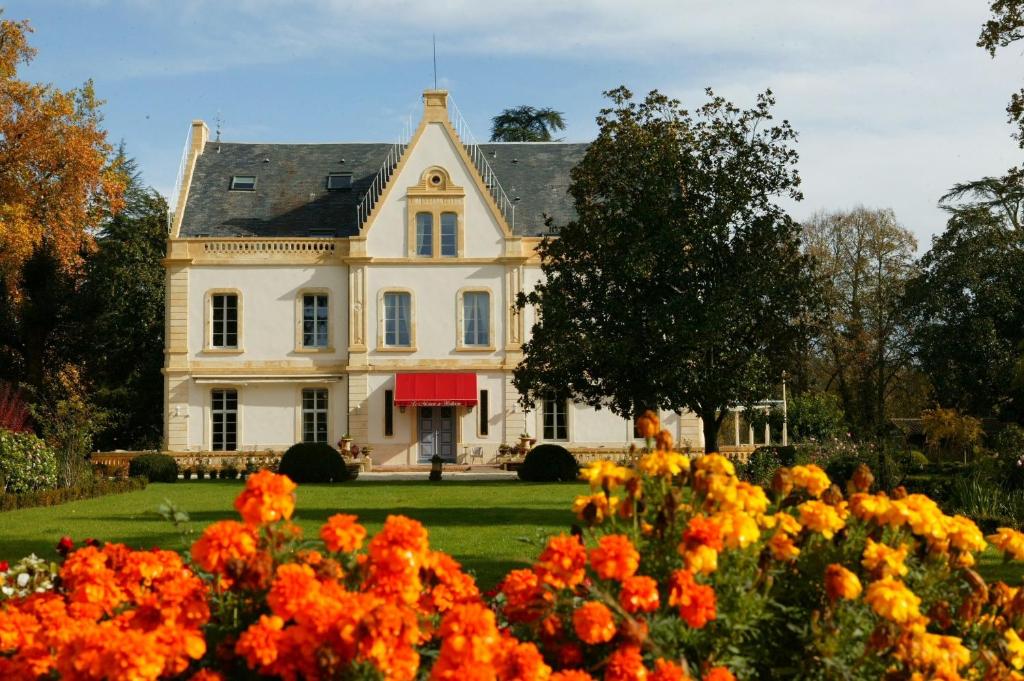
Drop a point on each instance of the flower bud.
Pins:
(647, 424)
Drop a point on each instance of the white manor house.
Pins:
(316, 291)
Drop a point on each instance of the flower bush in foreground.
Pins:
(683, 572)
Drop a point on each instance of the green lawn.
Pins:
(490, 527)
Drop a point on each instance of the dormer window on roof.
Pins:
(243, 183)
(339, 180)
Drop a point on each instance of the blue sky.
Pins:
(892, 100)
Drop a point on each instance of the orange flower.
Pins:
(342, 533)
(625, 664)
(524, 597)
(294, 586)
(719, 674)
(639, 594)
(522, 662)
(469, 643)
(615, 557)
(841, 583)
(696, 602)
(224, 542)
(703, 531)
(267, 498)
(258, 644)
(666, 670)
(561, 563)
(571, 675)
(594, 623)
(648, 424)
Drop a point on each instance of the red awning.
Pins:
(435, 390)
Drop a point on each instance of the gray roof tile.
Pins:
(291, 196)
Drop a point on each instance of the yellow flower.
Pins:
(891, 599)
(810, 478)
(605, 473)
(885, 560)
(594, 508)
(664, 464)
(818, 516)
(751, 498)
(782, 547)
(870, 507)
(841, 583)
(738, 529)
(964, 534)
(715, 463)
(1010, 542)
(701, 559)
(941, 656)
(1015, 649)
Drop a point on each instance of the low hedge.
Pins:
(549, 463)
(27, 464)
(53, 497)
(155, 467)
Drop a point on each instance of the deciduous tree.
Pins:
(55, 179)
(865, 259)
(681, 284)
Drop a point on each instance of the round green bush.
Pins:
(761, 466)
(154, 467)
(27, 464)
(313, 462)
(549, 463)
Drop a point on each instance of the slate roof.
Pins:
(291, 196)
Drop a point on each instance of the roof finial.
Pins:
(218, 125)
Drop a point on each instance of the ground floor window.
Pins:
(556, 425)
(314, 415)
(224, 421)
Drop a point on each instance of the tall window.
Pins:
(314, 415)
(449, 234)
(224, 420)
(397, 321)
(424, 234)
(476, 318)
(224, 326)
(314, 320)
(389, 412)
(556, 426)
(483, 412)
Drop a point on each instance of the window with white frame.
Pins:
(314, 415)
(476, 318)
(556, 424)
(397, 319)
(449, 235)
(424, 234)
(224, 320)
(315, 318)
(224, 420)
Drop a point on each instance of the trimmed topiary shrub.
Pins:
(27, 463)
(313, 462)
(154, 467)
(549, 463)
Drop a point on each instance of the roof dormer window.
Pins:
(339, 181)
(243, 183)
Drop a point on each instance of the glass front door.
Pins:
(437, 433)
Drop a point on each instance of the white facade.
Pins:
(268, 368)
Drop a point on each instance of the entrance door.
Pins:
(437, 433)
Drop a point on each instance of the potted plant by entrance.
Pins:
(525, 441)
(436, 462)
(345, 443)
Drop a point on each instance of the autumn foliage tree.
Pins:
(55, 178)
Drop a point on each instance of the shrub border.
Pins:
(54, 497)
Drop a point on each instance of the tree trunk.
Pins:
(711, 426)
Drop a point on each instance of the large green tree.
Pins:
(124, 299)
(1005, 27)
(864, 355)
(968, 304)
(681, 283)
(526, 124)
